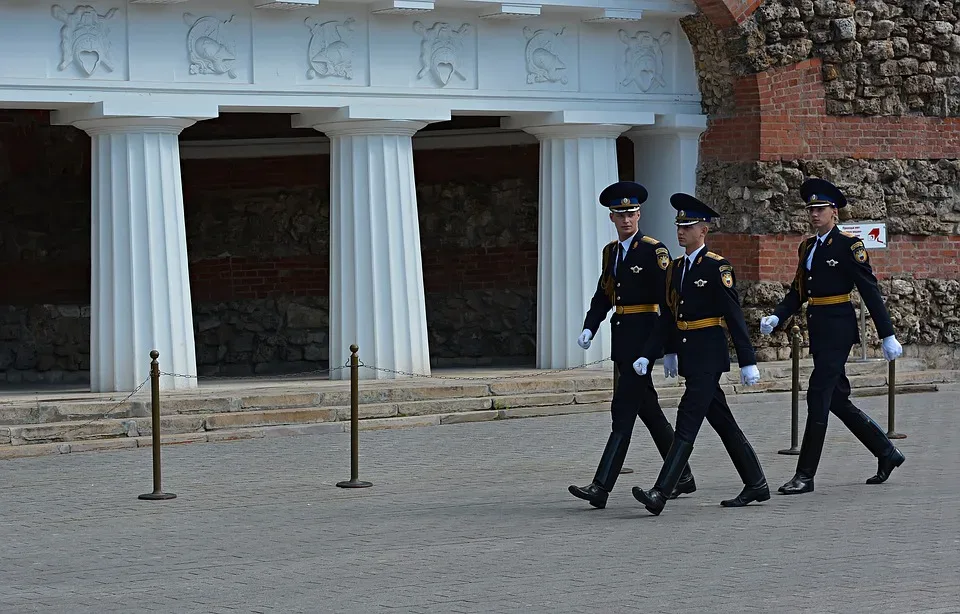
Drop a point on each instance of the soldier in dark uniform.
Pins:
(700, 300)
(830, 265)
(632, 284)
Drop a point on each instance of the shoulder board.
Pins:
(714, 256)
(649, 240)
(848, 235)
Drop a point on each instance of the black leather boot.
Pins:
(810, 450)
(885, 465)
(662, 434)
(607, 472)
(871, 435)
(748, 466)
(656, 498)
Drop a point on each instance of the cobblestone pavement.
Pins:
(477, 518)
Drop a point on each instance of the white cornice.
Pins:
(320, 146)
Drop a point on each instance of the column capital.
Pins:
(577, 131)
(683, 125)
(370, 119)
(371, 127)
(578, 124)
(119, 125)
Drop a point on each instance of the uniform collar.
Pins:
(693, 257)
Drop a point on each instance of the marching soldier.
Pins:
(830, 265)
(700, 300)
(632, 283)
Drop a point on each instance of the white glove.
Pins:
(891, 348)
(749, 375)
(640, 365)
(670, 365)
(768, 323)
(584, 340)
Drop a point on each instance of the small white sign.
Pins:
(873, 235)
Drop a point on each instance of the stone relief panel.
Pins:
(441, 51)
(210, 45)
(328, 51)
(542, 56)
(84, 39)
(641, 65)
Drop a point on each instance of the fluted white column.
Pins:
(576, 162)
(140, 286)
(376, 271)
(665, 162)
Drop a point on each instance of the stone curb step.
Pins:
(408, 401)
(125, 436)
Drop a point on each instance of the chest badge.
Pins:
(832, 262)
(636, 269)
(700, 283)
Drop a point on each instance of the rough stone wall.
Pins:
(915, 197)
(879, 57)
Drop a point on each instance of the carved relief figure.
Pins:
(207, 48)
(84, 38)
(328, 55)
(440, 50)
(643, 59)
(543, 61)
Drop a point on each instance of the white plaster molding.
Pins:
(542, 56)
(140, 125)
(156, 106)
(373, 127)
(140, 283)
(84, 38)
(328, 52)
(376, 273)
(441, 50)
(678, 123)
(401, 7)
(572, 118)
(320, 146)
(642, 62)
(612, 16)
(509, 11)
(290, 5)
(364, 112)
(577, 131)
(210, 47)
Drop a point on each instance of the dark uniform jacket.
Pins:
(639, 280)
(839, 264)
(708, 291)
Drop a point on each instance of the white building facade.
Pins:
(575, 75)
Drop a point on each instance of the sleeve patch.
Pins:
(663, 257)
(727, 278)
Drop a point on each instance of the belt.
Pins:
(837, 299)
(628, 309)
(696, 324)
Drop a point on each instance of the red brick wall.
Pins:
(727, 13)
(781, 115)
(774, 257)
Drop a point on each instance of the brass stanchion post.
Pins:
(794, 450)
(892, 403)
(354, 482)
(157, 494)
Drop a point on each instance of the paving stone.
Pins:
(266, 418)
(419, 408)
